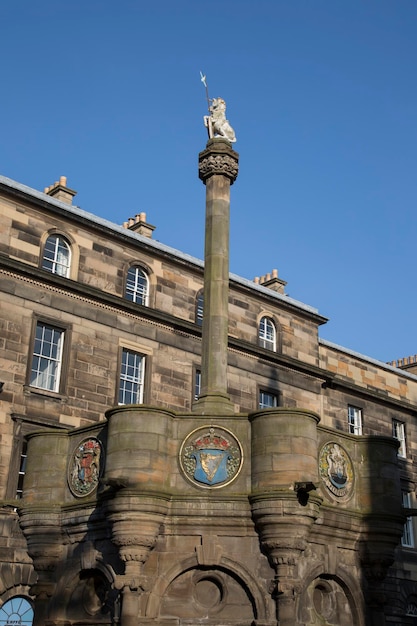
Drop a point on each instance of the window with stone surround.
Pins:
(197, 383)
(17, 610)
(132, 373)
(267, 399)
(267, 334)
(354, 420)
(56, 256)
(46, 366)
(199, 308)
(398, 432)
(137, 285)
(407, 540)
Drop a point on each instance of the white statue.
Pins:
(216, 122)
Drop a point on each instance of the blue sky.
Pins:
(322, 95)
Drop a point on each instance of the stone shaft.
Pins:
(218, 168)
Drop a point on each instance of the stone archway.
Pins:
(328, 600)
(223, 591)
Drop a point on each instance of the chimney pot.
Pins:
(63, 181)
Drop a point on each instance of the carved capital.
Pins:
(134, 548)
(218, 159)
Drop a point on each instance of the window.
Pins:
(57, 255)
(267, 334)
(23, 425)
(131, 377)
(411, 607)
(398, 432)
(199, 309)
(407, 540)
(137, 285)
(355, 420)
(47, 357)
(22, 469)
(197, 384)
(267, 400)
(17, 610)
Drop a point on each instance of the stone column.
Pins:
(218, 169)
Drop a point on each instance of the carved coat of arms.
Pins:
(85, 467)
(336, 470)
(211, 457)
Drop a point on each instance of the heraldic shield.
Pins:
(211, 457)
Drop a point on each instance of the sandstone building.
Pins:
(179, 447)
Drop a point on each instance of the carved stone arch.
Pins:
(85, 593)
(74, 249)
(211, 574)
(335, 589)
(407, 601)
(17, 590)
(16, 580)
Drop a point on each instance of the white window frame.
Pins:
(22, 469)
(199, 311)
(197, 384)
(267, 334)
(398, 432)
(47, 357)
(354, 420)
(132, 376)
(267, 399)
(411, 608)
(57, 256)
(137, 285)
(407, 540)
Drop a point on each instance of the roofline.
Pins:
(47, 201)
(367, 359)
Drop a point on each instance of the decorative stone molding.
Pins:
(134, 548)
(218, 159)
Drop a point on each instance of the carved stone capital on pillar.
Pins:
(218, 159)
(133, 547)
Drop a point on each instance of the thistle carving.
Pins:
(220, 164)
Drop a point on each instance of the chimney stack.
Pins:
(60, 191)
(139, 225)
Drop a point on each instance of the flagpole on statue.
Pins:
(207, 118)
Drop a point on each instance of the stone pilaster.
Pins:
(218, 169)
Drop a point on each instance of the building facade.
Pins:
(179, 446)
